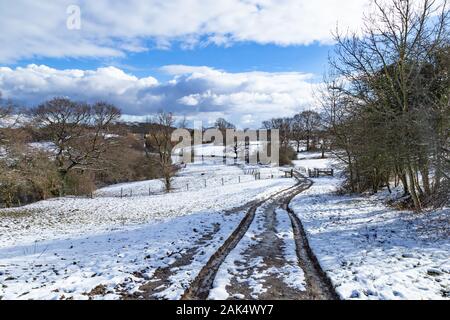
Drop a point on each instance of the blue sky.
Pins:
(245, 60)
(241, 57)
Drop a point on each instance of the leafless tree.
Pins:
(159, 141)
(396, 87)
(298, 131)
(284, 125)
(223, 125)
(79, 132)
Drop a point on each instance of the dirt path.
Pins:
(259, 275)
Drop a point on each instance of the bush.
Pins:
(79, 183)
(27, 176)
(126, 161)
(287, 154)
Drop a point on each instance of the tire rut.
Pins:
(200, 287)
(318, 284)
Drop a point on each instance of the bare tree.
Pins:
(310, 122)
(396, 88)
(284, 125)
(5, 110)
(159, 141)
(183, 123)
(298, 131)
(78, 131)
(10, 116)
(223, 125)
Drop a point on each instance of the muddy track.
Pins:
(200, 287)
(319, 287)
(318, 283)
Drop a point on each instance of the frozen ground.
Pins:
(65, 248)
(371, 251)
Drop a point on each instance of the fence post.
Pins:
(239, 179)
(187, 186)
(131, 193)
(149, 191)
(121, 193)
(222, 182)
(205, 183)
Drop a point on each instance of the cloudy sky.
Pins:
(245, 60)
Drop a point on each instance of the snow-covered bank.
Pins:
(371, 251)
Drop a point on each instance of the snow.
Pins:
(371, 251)
(211, 149)
(45, 146)
(71, 268)
(230, 267)
(66, 247)
(291, 272)
(192, 178)
(73, 216)
(312, 160)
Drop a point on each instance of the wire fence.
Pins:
(190, 184)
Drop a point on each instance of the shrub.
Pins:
(287, 154)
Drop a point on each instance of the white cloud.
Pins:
(113, 28)
(246, 98)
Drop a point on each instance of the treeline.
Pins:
(386, 101)
(304, 129)
(64, 147)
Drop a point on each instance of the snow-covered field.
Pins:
(120, 261)
(195, 177)
(371, 251)
(312, 160)
(64, 248)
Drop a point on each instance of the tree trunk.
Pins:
(412, 189)
(424, 172)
